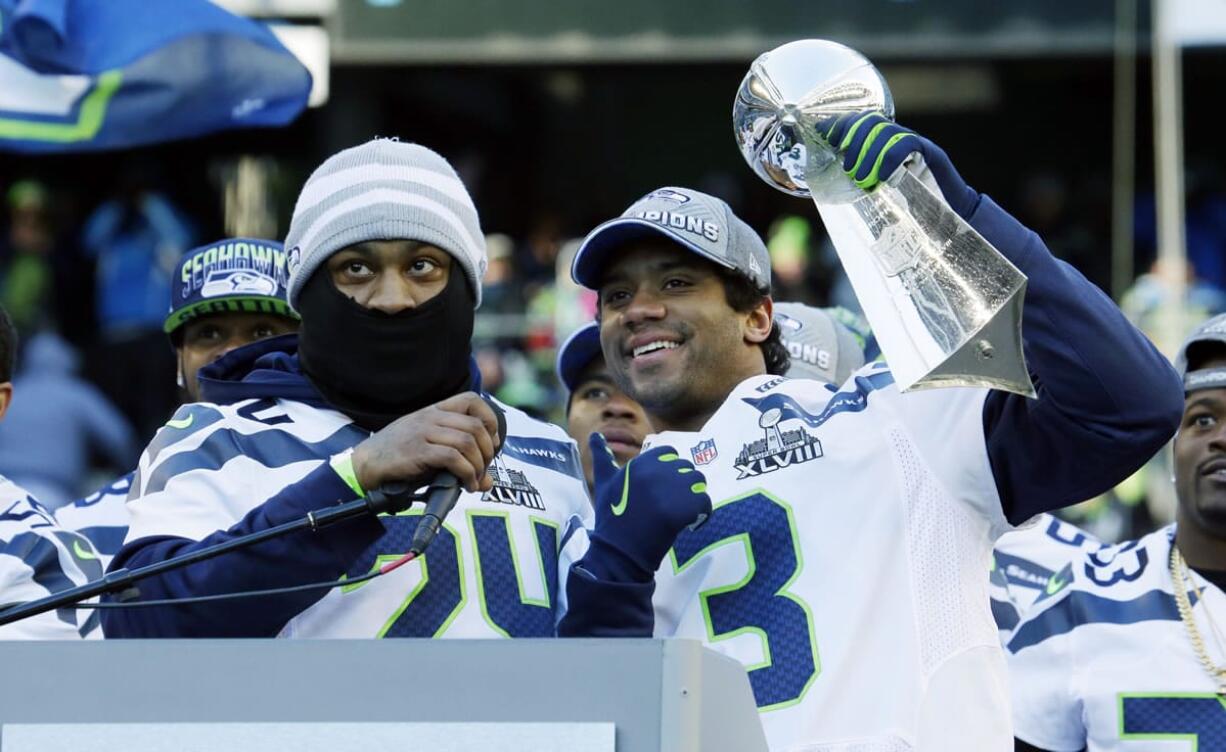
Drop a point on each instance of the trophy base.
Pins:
(991, 357)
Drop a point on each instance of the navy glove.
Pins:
(873, 147)
(641, 508)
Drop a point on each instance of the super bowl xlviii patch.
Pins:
(778, 449)
(512, 487)
(705, 452)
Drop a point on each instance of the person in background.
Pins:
(26, 251)
(44, 282)
(1125, 650)
(227, 294)
(822, 345)
(37, 557)
(594, 403)
(136, 240)
(1030, 564)
(60, 423)
(503, 295)
(794, 274)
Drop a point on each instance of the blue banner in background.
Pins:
(78, 75)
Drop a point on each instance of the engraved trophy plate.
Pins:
(944, 304)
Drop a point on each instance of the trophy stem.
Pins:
(943, 303)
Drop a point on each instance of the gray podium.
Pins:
(374, 695)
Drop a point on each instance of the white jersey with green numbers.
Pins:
(843, 563)
(497, 567)
(1107, 665)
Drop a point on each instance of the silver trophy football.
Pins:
(945, 306)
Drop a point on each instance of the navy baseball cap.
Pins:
(577, 353)
(236, 275)
(696, 221)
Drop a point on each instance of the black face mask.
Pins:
(375, 366)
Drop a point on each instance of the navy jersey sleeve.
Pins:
(1107, 399)
(607, 596)
(295, 559)
(600, 607)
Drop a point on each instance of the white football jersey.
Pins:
(102, 517)
(497, 567)
(843, 563)
(1107, 665)
(38, 558)
(1028, 565)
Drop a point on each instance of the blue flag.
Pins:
(79, 75)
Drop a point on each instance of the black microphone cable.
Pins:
(254, 593)
(386, 498)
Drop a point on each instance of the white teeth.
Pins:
(653, 346)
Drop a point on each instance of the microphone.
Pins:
(445, 491)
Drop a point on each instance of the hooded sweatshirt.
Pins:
(257, 455)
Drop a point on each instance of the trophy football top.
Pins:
(788, 94)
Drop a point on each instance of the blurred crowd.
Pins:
(88, 290)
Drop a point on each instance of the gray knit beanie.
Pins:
(383, 190)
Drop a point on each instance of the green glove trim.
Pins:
(619, 508)
(851, 132)
(867, 147)
(874, 177)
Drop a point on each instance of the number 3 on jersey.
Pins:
(1198, 718)
(759, 603)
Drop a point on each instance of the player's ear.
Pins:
(758, 321)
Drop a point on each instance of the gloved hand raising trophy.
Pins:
(944, 304)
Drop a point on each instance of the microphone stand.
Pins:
(390, 498)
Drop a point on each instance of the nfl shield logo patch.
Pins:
(705, 452)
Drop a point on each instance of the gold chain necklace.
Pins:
(1183, 582)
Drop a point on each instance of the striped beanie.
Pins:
(383, 190)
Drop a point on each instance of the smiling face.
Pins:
(390, 275)
(1200, 458)
(598, 406)
(670, 338)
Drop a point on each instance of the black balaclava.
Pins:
(375, 366)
